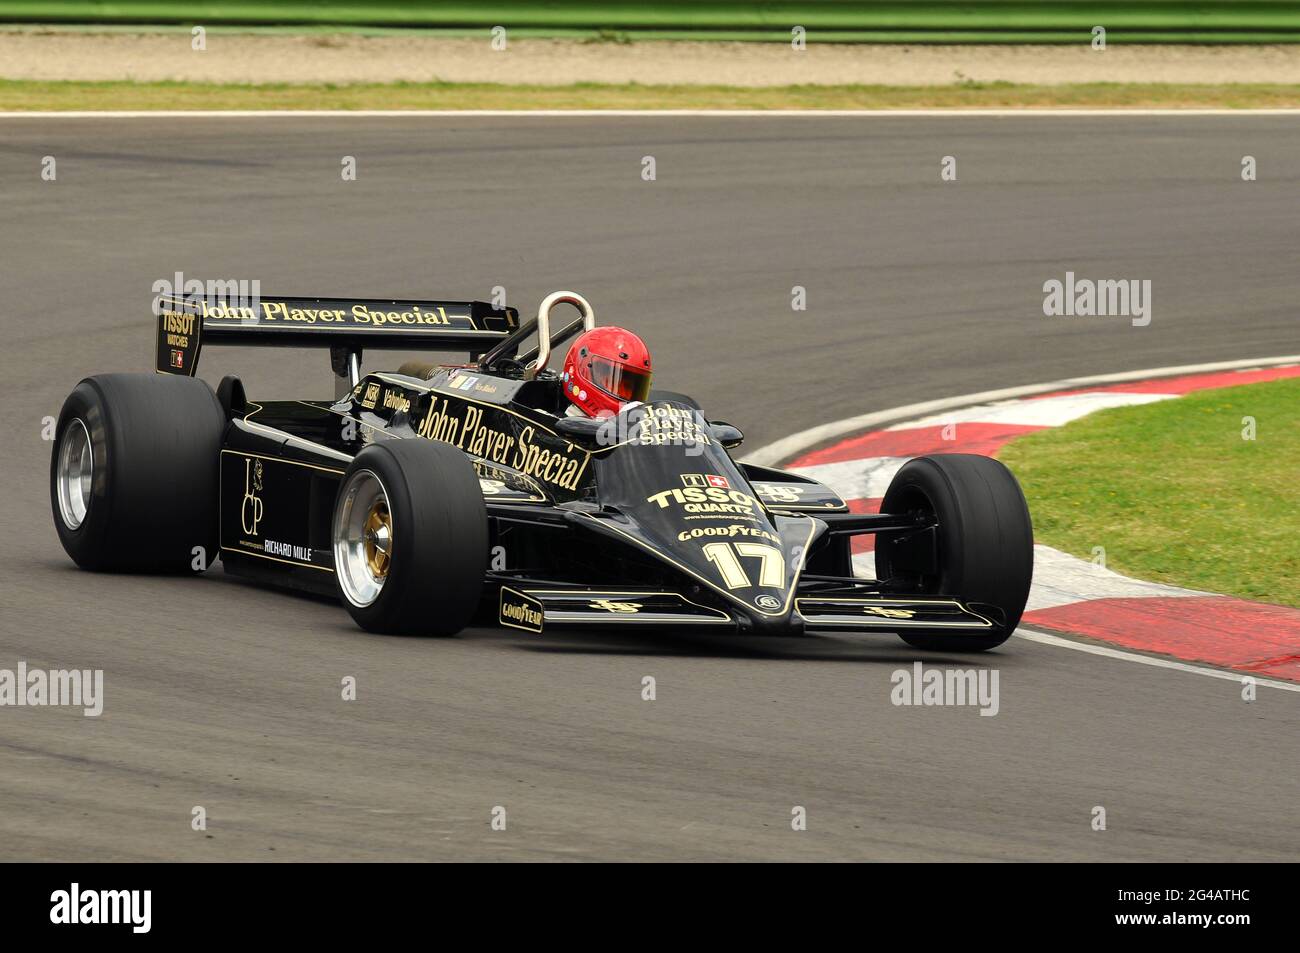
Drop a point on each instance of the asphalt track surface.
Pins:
(227, 696)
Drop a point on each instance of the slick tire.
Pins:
(410, 538)
(134, 473)
(985, 543)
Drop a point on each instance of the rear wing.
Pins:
(347, 326)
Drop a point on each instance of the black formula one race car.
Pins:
(425, 496)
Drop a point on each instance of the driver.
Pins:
(606, 371)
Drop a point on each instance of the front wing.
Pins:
(532, 609)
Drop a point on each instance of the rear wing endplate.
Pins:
(346, 326)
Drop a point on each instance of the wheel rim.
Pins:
(76, 474)
(363, 538)
(915, 501)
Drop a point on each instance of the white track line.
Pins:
(787, 447)
(1044, 412)
(1093, 649)
(1064, 580)
(632, 113)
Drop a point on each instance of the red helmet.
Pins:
(606, 368)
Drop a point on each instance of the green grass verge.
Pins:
(1173, 492)
(38, 95)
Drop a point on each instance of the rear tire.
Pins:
(133, 477)
(985, 543)
(410, 538)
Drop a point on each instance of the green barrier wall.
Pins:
(936, 21)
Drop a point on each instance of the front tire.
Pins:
(410, 538)
(985, 543)
(133, 476)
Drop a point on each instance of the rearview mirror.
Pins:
(730, 437)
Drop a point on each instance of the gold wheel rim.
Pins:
(378, 536)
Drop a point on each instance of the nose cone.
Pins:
(744, 554)
(724, 538)
(689, 504)
(788, 624)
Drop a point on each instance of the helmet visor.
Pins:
(619, 380)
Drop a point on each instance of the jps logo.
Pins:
(889, 613)
(609, 606)
(250, 511)
(778, 494)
